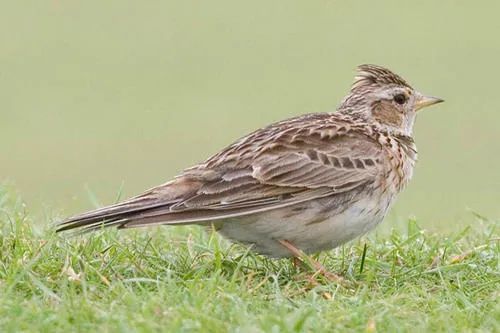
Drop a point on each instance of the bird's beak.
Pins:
(425, 101)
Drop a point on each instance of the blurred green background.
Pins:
(102, 95)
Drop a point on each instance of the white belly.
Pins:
(312, 227)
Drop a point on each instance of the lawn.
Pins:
(100, 97)
(186, 279)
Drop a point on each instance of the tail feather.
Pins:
(162, 196)
(110, 215)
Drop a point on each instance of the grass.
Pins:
(185, 279)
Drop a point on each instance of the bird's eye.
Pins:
(400, 99)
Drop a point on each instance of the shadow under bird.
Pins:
(308, 183)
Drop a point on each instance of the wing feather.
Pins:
(272, 168)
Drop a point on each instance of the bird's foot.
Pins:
(302, 259)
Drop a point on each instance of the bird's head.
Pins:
(383, 97)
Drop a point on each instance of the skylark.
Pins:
(308, 183)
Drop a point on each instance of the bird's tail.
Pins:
(131, 210)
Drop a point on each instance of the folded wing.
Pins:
(269, 169)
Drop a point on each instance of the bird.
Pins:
(302, 185)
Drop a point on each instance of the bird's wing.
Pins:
(263, 171)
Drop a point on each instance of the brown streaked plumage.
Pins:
(316, 180)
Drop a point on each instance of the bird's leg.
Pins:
(300, 256)
(296, 261)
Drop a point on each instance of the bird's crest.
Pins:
(370, 75)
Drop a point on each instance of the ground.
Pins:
(188, 280)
